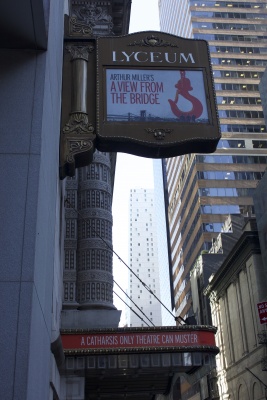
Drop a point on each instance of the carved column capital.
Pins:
(78, 52)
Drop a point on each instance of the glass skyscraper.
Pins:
(204, 189)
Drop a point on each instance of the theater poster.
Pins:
(156, 95)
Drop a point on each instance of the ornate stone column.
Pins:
(70, 244)
(94, 254)
(88, 280)
(77, 139)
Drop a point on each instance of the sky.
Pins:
(131, 171)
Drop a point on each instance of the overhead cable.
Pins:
(131, 308)
(133, 302)
(121, 260)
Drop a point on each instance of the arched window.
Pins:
(243, 393)
(257, 394)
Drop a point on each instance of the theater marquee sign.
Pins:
(177, 339)
(149, 93)
(155, 95)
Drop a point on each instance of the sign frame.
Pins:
(140, 340)
(145, 52)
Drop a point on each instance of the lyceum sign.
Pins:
(155, 95)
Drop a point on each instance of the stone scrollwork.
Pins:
(80, 28)
(76, 147)
(82, 148)
(87, 18)
(78, 124)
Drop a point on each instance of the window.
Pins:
(259, 144)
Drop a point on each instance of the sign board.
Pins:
(136, 340)
(262, 311)
(155, 95)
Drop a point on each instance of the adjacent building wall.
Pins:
(30, 107)
(164, 260)
(234, 292)
(204, 189)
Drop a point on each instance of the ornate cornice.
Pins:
(247, 245)
(89, 19)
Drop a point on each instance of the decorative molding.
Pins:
(71, 184)
(78, 124)
(213, 298)
(77, 147)
(70, 244)
(70, 213)
(69, 275)
(153, 41)
(79, 52)
(89, 19)
(98, 213)
(95, 276)
(79, 28)
(92, 293)
(94, 243)
(159, 134)
(95, 184)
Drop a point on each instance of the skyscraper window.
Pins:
(199, 197)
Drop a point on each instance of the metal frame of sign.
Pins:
(140, 340)
(155, 95)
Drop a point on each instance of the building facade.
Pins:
(143, 260)
(31, 197)
(234, 292)
(164, 259)
(32, 200)
(204, 189)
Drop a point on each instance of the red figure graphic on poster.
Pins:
(183, 87)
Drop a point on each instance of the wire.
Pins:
(121, 260)
(133, 302)
(131, 308)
